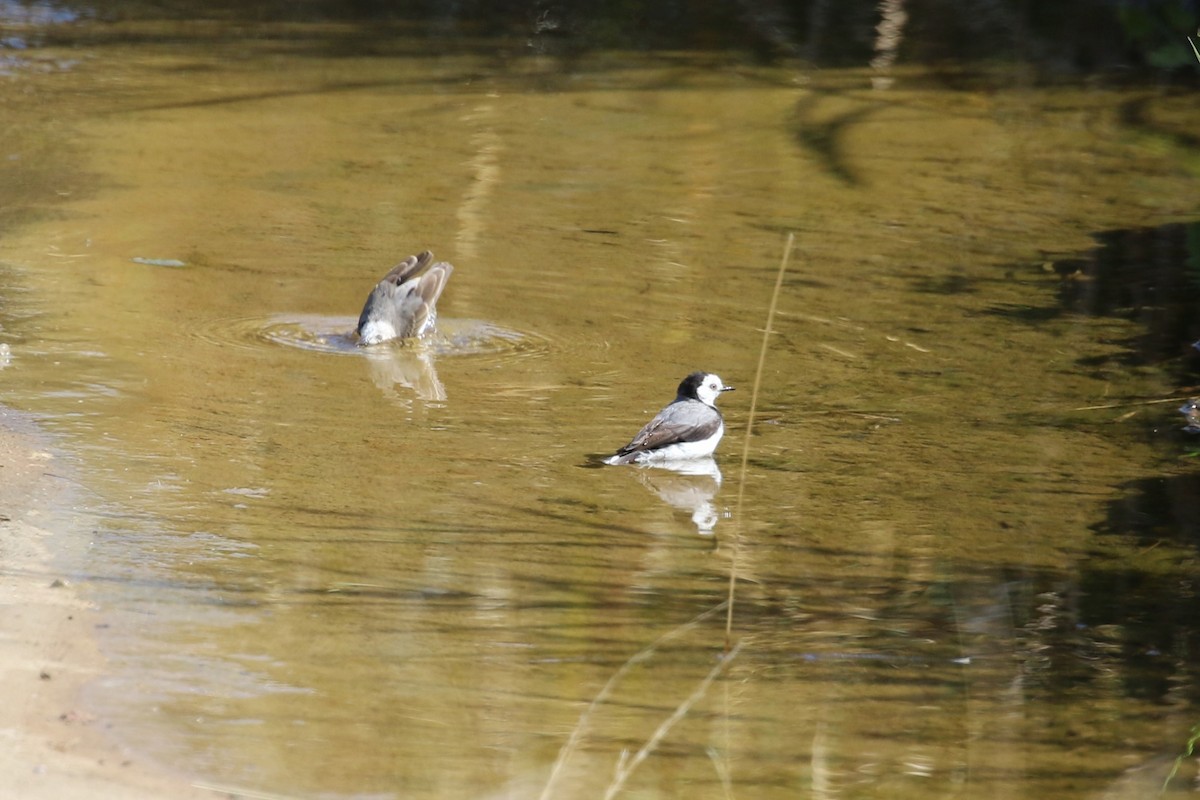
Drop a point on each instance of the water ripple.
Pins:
(334, 335)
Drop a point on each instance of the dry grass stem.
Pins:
(1134, 403)
(762, 360)
(722, 771)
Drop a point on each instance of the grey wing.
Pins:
(667, 428)
(407, 268)
(433, 282)
(424, 296)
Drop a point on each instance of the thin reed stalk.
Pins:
(762, 360)
(1132, 404)
(1187, 753)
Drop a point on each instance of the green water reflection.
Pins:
(321, 579)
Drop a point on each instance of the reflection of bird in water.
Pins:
(689, 486)
(688, 428)
(404, 303)
(407, 367)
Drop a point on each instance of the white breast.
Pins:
(684, 451)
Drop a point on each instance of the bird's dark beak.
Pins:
(727, 388)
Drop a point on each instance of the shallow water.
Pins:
(329, 572)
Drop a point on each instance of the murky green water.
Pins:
(327, 573)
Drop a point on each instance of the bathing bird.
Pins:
(403, 304)
(689, 428)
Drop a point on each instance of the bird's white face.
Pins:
(710, 387)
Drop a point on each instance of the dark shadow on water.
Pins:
(1150, 276)
(1135, 116)
(947, 285)
(824, 139)
(1157, 511)
(1150, 613)
(1028, 315)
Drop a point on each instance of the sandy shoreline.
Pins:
(53, 749)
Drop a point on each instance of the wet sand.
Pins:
(53, 747)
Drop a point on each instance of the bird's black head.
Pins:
(702, 386)
(691, 384)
